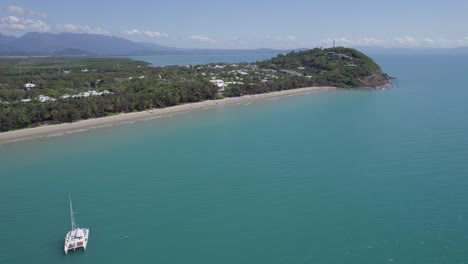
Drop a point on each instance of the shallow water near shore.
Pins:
(330, 177)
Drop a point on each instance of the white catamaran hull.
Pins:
(77, 238)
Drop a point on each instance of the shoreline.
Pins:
(51, 130)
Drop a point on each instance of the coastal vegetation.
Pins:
(52, 90)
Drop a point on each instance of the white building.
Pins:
(85, 94)
(229, 83)
(29, 86)
(220, 84)
(44, 98)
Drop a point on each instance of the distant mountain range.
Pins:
(70, 44)
(6, 39)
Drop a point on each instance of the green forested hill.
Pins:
(339, 67)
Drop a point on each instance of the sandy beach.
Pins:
(43, 131)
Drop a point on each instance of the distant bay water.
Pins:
(184, 60)
(333, 177)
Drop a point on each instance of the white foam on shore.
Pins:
(102, 126)
(76, 131)
(152, 118)
(55, 135)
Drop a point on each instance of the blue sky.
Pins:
(248, 24)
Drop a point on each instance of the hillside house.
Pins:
(29, 86)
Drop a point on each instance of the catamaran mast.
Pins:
(72, 218)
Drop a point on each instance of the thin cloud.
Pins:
(407, 41)
(239, 41)
(428, 41)
(18, 10)
(276, 41)
(75, 28)
(280, 39)
(397, 42)
(205, 39)
(15, 23)
(146, 33)
(366, 41)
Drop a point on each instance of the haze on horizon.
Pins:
(248, 24)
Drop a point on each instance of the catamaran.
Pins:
(77, 237)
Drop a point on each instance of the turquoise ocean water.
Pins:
(332, 177)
